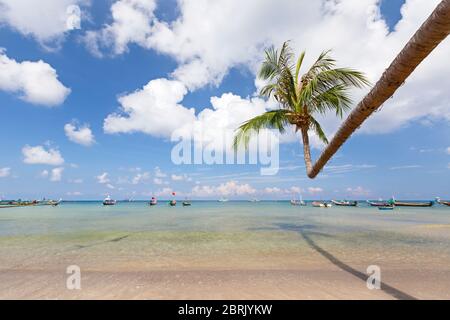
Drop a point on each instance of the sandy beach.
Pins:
(284, 253)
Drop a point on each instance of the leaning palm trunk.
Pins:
(306, 148)
(432, 32)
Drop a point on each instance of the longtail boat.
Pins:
(345, 203)
(386, 208)
(445, 203)
(378, 204)
(319, 204)
(413, 204)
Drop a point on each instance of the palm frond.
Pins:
(335, 99)
(275, 119)
(318, 130)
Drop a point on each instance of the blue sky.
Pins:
(409, 158)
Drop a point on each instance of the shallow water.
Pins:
(231, 236)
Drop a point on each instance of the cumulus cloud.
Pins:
(131, 23)
(40, 155)
(406, 167)
(315, 190)
(74, 194)
(103, 178)
(358, 191)
(158, 181)
(164, 192)
(448, 150)
(159, 173)
(230, 188)
(206, 46)
(157, 110)
(140, 177)
(47, 22)
(5, 172)
(35, 82)
(56, 174)
(154, 110)
(81, 135)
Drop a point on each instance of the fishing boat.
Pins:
(378, 204)
(34, 203)
(186, 204)
(318, 204)
(153, 201)
(445, 203)
(298, 202)
(386, 208)
(223, 200)
(109, 202)
(345, 203)
(413, 204)
(172, 203)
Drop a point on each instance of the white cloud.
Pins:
(47, 22)
(56, 174)
(158, 181)
(5, 172)
(164, 192)
(110, 186)
(230, 188)
(358, 191)
(81, 135)
(181, 177)
(448, 150)
(272, 190)
(130, 24)
(35, 82)
(39, 155)
(140, 177)
(159, 173)
(176, 177)
(74, 194)
(154, 110)
(44, 173)
(406, 167)
(315, 190)
(103, 178)
(206, 46)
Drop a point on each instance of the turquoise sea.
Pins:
(236, 235)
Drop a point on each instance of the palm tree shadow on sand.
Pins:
(303, 231)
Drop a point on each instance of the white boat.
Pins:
(223, 200)
(108, 201)
(318, 204)
(254, 200)
(299, 202)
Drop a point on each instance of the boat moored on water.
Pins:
(172, 203)
(109, 202)
(386, 208)
(445, 203)
(223, 200)
(413, 204)
(153, 201)
(318, 204)
(377, 204)
(345, 203)
(186, 204)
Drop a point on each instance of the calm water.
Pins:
(73, 217)
(411, 245)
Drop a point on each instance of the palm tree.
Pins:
(432, 32)
(321, 89)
